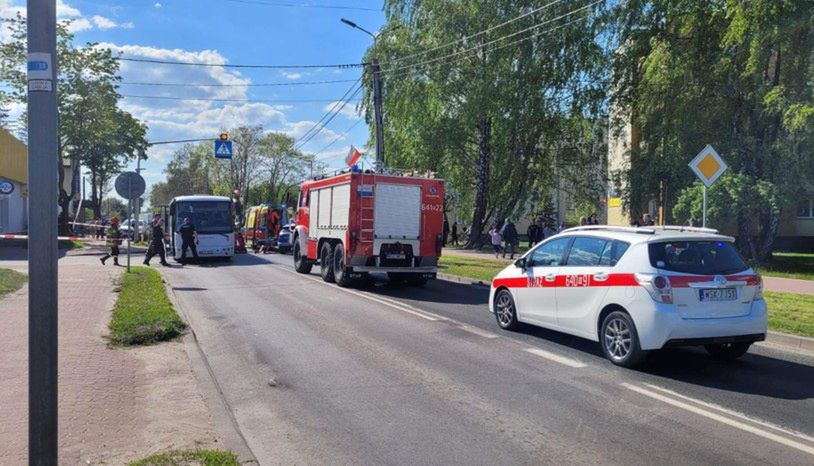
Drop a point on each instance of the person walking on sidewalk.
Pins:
(114, 238)
(496, 240)
(189, 239)
(157, 242)
(509, 233)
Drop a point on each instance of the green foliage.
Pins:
(143, 314)
(797, 265)
(184, 458)
(11, 281)
(477, 267)
(114, 207)
(733, 196)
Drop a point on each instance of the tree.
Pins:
(243, 169)
(189, 172)
(503, 103)
(113, 207)
(737, 74)
(283, 167)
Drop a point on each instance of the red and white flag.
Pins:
(353, 156)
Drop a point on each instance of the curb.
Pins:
(223, 420)
(776, 339)
(461, 280)
(795, 342)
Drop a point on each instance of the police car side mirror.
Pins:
(521, 263)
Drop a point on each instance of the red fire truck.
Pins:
(354, 223)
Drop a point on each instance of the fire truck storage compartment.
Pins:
(398, 212)
(331, 206)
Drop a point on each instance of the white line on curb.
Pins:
(556, 358)
(725, 420)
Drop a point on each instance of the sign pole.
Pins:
(43, 158)
(704, 220)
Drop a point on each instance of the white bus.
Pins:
(212, 217)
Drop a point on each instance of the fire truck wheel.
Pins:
(326, 262)
(340, 273)
(301, 263)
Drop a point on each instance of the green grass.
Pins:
(791, 313)
(183, 458)
(143, 313)
(11, 281)
(790, 265)
(478, 268)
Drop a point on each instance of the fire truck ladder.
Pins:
(367, 212)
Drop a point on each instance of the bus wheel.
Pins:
(326, 269)
(340, 272)
(301, 263)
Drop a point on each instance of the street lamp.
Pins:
(377, 95)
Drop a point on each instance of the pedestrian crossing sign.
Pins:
(223, 149)
(708, 166)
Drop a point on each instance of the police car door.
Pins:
(537, 301)
(584, 284)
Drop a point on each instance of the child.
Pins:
(497, 239)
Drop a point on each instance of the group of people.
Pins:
(450, 233)
(589, 220)
(647, 221)
(189, 241)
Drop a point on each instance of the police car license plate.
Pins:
(719, 294)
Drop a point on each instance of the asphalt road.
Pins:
(399, 375)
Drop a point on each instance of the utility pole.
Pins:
(137, 201)
(43, 159)
(377, 111)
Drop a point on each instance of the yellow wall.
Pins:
(13, 158)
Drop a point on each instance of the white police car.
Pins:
(635, 290)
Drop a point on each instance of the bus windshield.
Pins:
(207, 216)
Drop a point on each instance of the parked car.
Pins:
(635, 290)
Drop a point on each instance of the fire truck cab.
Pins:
(355, 223)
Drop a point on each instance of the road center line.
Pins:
(362, 295)
(556, 358)
(477, 331)
(722, 419)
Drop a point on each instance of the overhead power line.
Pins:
(479, 33)
(338, 137)
(485, 44)
(342, 105)
(228, 65)
(330, 114)
(287, 83)
(206, 99)
(304, 5)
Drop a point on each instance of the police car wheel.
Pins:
(326, 269)
(505, 310)
(301, 263)
(620, 340)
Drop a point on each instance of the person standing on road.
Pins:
(157, 242)
(189, 239)
(509, 233)
(454, 233)
(114, 238)
(496, 239)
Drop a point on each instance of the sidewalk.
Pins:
(115, 405)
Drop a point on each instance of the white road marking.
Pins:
(723, 419)
(477, 331)
(363, 295)
(556, 358)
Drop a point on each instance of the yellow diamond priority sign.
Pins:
(708, 166)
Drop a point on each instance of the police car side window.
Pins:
(550, 253)
(587, 251)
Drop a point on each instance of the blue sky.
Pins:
(235, 32)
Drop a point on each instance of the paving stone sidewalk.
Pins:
(115, 405)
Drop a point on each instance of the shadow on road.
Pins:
(435, 291)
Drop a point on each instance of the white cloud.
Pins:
(291, 75)
(334, 154)
(106, 23)
(66, 11)
(348, 111)
(81, 24)
(157, 5)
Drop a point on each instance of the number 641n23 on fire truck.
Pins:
(355, 223)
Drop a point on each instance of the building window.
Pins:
(805, 208)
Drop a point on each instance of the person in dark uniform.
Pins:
(157, 242)
(189, 239)
(114, 238)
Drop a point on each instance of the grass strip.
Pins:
(478, 268)
(11, 281)
(791, 313)
(143, 313)
(195, 457)
(797, 265)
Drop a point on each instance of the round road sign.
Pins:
(6, 187)
(130, 185)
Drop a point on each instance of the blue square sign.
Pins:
(223, 149)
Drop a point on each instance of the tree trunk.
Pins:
(481, 182)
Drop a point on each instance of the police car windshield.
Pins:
(208, 217)
(697, 257)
